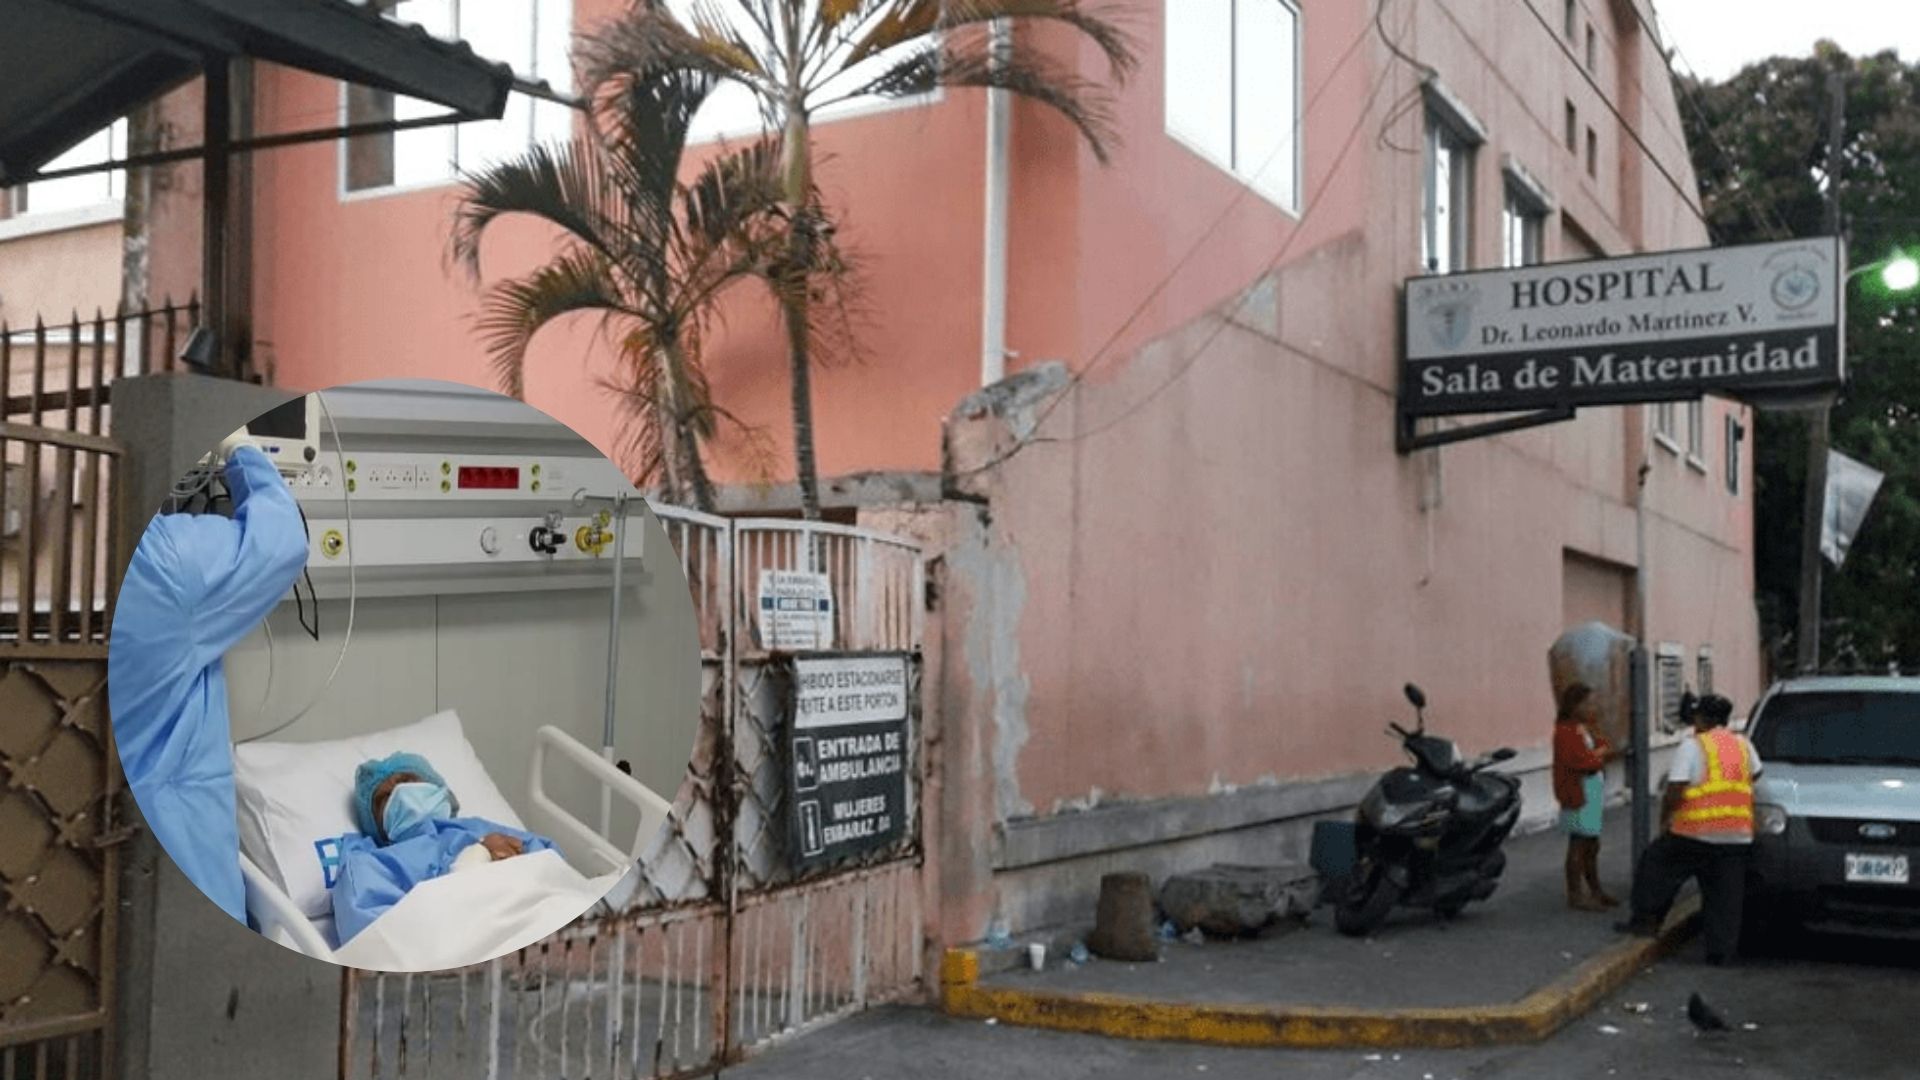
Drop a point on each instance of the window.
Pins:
(1573, 127)
(1593, 153)
(1735, 434)
(1446, 235)
(1572, 17)
(1704, 676)
(530, 36)
(1664, 428)
(1592, 48)
(1697, 433)
(1233, 89)
(1670, 683)
(1523, 223)
(76, 192)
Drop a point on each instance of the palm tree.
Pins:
(798, 57)
(649, 254)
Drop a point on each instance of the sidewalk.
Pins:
(1512, 969)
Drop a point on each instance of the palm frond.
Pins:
(648, 37)
(1086, 104)
(560, 184)
(514, 310)
(911, 21)
(643, 125)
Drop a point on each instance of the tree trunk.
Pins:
(795, 283)
(685, 444)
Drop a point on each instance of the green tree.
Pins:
(646, 252)
(1759, 143)
(798, 57)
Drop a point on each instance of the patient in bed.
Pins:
(409, 834)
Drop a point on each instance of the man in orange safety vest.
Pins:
(1707, 819)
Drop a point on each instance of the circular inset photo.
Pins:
(405, 675)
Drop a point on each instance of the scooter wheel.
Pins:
(1366, 906)
(1450, 909)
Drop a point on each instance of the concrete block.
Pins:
(1230, 901)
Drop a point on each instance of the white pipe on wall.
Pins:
(993, 308)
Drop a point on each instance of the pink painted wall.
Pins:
(1228, 583)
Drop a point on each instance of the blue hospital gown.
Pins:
(196, 586)
(374, 878)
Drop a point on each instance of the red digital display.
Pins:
(489, 478)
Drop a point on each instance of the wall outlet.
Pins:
(391, 477)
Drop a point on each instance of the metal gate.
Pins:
(60, 550)
(724, 948)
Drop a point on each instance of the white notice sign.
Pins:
(849, 690)
(796, 610)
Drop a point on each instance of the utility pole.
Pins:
(1819, 433)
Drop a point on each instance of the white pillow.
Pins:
(294, 798)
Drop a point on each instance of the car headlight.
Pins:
(1769, 820)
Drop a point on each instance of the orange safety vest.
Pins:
(1722, 803)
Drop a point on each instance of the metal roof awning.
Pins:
(74, 66)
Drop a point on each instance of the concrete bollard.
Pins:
(1123, 921)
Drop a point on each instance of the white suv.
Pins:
(1837, 809)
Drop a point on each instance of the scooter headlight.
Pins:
(1769, 820)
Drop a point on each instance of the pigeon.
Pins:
(1702, 1016)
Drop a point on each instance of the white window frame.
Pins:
(1735, 434)
(1697, 434)
(1661, 417)
(1670, 659)
(32, 220)
(1525, 202)
(1297, 134)
(452, 130)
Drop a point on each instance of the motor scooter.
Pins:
(1430, 834)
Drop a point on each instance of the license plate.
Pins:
(1877, 869)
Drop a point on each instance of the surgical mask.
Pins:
(411, 806)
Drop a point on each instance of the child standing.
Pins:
(1580, 756)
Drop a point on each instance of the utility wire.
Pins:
(1767, 216)
(1690, 199)
(1245, 188)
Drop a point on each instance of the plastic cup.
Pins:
(1037, 956)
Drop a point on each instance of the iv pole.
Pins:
(619, 541)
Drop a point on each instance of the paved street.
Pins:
(1822, 1008)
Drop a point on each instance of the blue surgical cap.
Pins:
(368, 777)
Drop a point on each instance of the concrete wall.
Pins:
(1179, 618)
(56, 264)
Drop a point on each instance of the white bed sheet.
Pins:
(475, 915)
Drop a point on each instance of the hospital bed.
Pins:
(294, 797)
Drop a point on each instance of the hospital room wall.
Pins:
(508, 663)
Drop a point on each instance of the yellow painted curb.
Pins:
(1531, 1019)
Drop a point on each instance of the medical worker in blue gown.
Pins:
(409, 834)
(197, 585)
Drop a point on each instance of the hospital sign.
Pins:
(1746, 322)
(848, 751)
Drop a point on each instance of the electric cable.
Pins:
(1245, 188)
(346, 639)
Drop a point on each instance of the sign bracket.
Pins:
(1407, 441)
